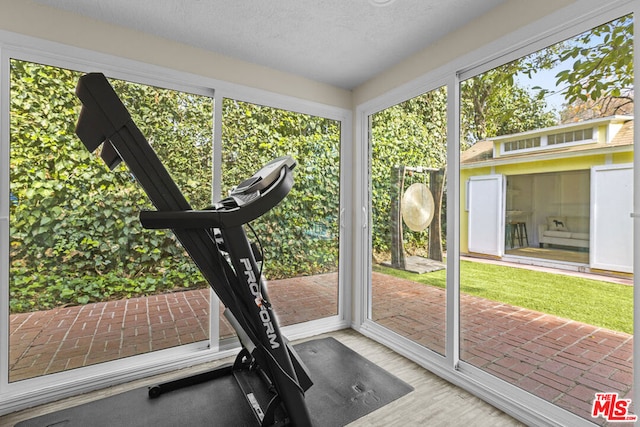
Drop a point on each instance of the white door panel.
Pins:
(611, 234)
(486, 197)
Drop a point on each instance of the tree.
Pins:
(492, 104)
(581, 110)
(596, 70)
(603, 64)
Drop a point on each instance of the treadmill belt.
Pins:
(346, 387)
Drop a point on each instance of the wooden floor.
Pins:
(557, 254)
(434, 402)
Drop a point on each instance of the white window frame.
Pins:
(568, 22)
(504, 150)
(26, 393)
(576, 141)
(544, 142)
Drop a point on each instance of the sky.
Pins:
(546, 79)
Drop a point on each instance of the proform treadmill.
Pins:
(267, 369)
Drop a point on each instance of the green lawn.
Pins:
(597, 303)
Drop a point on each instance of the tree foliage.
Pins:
(586, 110)
(602, 63)
(492, 104)
(594, 70)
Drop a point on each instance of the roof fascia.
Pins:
(547, 156)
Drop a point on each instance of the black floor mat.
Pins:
(346, 387)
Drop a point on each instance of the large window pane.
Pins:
(87, 283)
(546, 234)
(408, 163)
(300, 237)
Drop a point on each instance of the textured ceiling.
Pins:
(339, 42)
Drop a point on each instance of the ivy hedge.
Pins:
(412, 133)
(75, 236)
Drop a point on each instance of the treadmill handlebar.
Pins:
(249, 200)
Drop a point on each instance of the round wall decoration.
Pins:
(417, 207)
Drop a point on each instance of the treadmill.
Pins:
(267, 369)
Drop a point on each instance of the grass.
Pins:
(604, 304)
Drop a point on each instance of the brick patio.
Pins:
(560, 360)
(44, 342)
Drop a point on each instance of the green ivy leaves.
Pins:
(75, 233)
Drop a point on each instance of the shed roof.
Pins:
(482, 154)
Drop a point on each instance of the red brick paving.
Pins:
(560, 360)
(64, 338)
(45, 342)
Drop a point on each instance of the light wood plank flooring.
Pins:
(434, 402)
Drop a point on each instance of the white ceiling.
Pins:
(340, 42)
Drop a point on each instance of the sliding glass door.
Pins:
(546, 295)
(525, 283)
(300, 238)
(408, 213)
(87, 284)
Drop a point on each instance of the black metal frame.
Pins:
(266, 354)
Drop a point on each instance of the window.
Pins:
(515, 346)
(408, 164)
(87, 283)
(572, 136)
(521, 144)
(300, 237)
(89, 287)
(558, 211)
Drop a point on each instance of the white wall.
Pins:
(32, 19)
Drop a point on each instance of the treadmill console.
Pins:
(265, 176)
(249, 200)
(252, 188)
